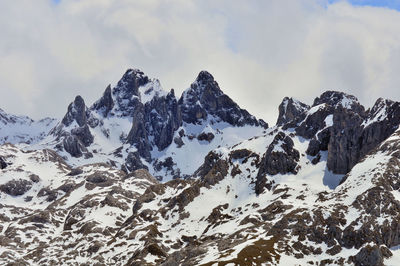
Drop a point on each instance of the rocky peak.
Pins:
(204, 98)
(340, 99)
(76, 112)
(105, 104)
(290, 109)
(130, 82)
(6, 118)
(76, 139)
(126, 93)
(383, 109)
(204, 77)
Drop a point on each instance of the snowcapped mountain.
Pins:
(138, 125)
(144, 178)
(22, 129)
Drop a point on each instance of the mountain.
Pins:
(142, 177)
(22, 129)
(138, 125)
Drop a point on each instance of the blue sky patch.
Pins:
(392, 4)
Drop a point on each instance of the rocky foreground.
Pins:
(143, 178)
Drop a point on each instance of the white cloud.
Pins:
(259, 51)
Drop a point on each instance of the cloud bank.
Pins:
(259, 51)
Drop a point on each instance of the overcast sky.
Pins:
(258, 51)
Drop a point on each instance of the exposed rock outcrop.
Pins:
(76, 137)
(3, 163)
(280, 158)
(16, 187)
(133, 162)
(126, 93)
(105, 104)
(77, 112)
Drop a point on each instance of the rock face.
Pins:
(133, 162)
(105, 104)
(3, 163)
(138, 135)
(204, 98)
(280, 158)
(77, 112)
(382, 121)
(369, 256)
(290, 109)
(78, 137)
(344, 149)
(339, 124)
(126, 93)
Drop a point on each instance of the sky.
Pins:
(259, 51)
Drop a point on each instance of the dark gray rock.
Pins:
(291, 109)
(83, 134)
(344, 149)
(138, 133)
(376, 132)
(75, 140)
(179, 142)
(340, 99)
(16, 187)
(75, 172)
(350, 140)
(3, 163)
(34, 178)
(158, 118)
(50, 194)
(97, 178)
(73, 146)
(204, 98)
(126, 93)
(133, 162)
(280, 158)
(313, 123)
(76, 112)
(351, 136)
(105, 104)
(369, 255)
(206, 136)
(163, 118)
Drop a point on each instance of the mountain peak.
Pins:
(204, 99)
(290, 109)
(204, 77)
(338, 98)
(105, 104)
(130, 82)
(76, 112)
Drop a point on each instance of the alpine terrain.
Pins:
(144, 177)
